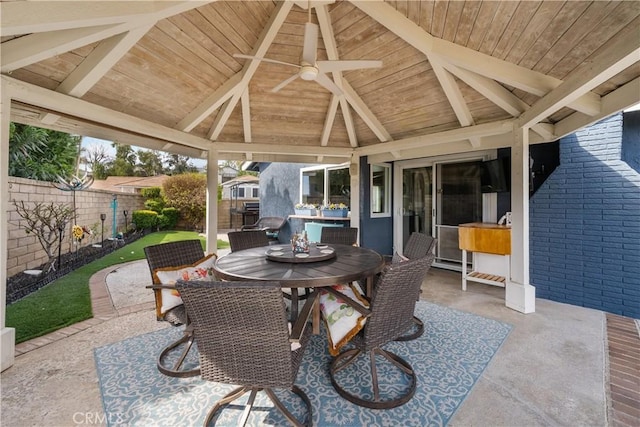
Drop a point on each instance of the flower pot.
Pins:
(335, 213)
(307, 212)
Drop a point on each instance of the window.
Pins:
(325, 184)
(255, 192)
(380, 191)
(241, 192)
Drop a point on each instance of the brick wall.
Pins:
(24, 250)
(585, 225)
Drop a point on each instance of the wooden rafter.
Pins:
(269, 32)
(528, 80)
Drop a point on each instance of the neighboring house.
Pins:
(242, 187)
(128, 184)
(584, 208)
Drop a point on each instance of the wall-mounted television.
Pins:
(496, 175)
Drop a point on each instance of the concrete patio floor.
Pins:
(553, 369)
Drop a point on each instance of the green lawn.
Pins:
(67, 300)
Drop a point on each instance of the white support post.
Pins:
(212, 201)
(354, 204)
(8, 335)
(520, 295)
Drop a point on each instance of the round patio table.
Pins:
(350, 263)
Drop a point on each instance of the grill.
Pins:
(250, 212)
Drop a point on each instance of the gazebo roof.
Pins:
(456, 76)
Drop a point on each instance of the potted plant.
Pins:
(338, 210)
(308, 209)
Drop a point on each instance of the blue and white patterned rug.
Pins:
(448, 359)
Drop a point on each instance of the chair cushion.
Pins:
(343, 321)
(200, 270)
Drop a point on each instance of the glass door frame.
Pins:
(489, 200)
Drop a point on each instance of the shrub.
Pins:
(187, 193)
(154, 205)
(170, 217)
(145, 219)
(151, 193)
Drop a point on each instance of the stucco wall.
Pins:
(25, 252)
(585, 225)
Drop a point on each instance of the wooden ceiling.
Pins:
(456, 76)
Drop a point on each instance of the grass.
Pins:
(67, 300)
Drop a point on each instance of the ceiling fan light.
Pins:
(308, 72)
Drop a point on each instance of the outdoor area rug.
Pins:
(448, 359)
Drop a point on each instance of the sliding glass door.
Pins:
(434, 197)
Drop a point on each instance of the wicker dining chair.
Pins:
(339, 235)
(419, 245)
(390, 314)
(239, 240)
(237, 346)
(173, 254)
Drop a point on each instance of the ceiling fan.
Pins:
(311, 69)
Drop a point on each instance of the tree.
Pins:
(150, 163)
(124, 162)
(98, 160)
(41, 154)
(177, 164)
(45, 221)
(188, 194)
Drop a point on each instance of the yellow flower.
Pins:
(78, 232)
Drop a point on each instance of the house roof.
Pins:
(455, 76)
(242, 179)
(117, 183)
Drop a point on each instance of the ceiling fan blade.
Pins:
(328, 84)
(284, 83)
(310, 43)
(273, 61)
(344, 65)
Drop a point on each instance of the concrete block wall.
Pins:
(585, 225)
(24, 250)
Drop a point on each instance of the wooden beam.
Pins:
(324, 22)
(209, 105)
(269, 32)
(454, 96)
(23, 51)
(99, 61)
(246, 115)
(349, 93)
(328, 121)
(500, 96)
(74, 107)
(365, 113)
(486, 65)
(624, 97)
(260, 148)
(96, 65)
(490, 89)
(476, 131)
(26, 17)
(610, 62)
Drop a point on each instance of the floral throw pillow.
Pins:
(343, 321)
(170, 298)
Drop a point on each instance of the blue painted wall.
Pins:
(585, 225)
(279, 192)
